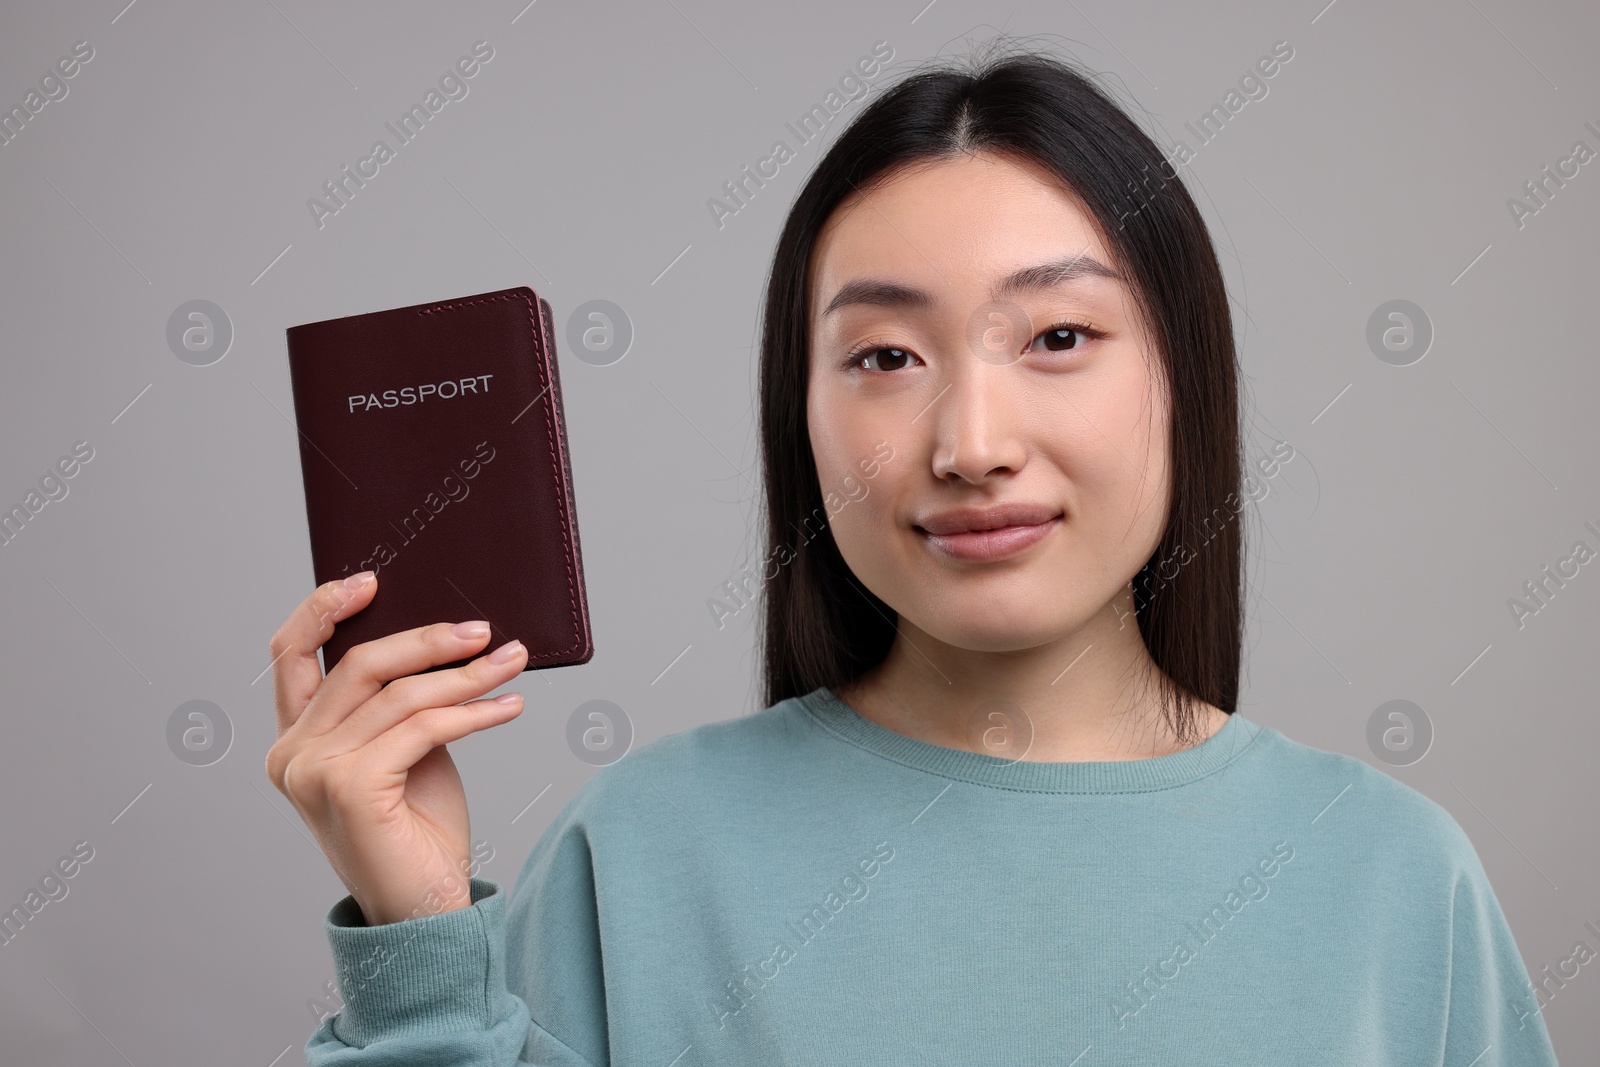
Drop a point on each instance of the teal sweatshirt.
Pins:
(805, 886)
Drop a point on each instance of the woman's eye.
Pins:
(889, 358)
(1061, 338)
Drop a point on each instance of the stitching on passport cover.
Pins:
(550, 433)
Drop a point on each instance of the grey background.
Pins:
(178, 167)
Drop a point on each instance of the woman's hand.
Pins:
(361, 752)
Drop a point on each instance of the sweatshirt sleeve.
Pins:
(430, 990)
(1493, 1016)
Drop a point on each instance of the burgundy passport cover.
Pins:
(434, 451)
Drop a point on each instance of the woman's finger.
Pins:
(296, 674)
(408, 696)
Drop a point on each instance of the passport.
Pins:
(433, 451)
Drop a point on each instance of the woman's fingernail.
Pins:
(468, 631)
(357, 581)
(506, 652)
(508, 698)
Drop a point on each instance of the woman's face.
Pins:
(954, 370)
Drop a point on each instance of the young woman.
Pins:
(1001, 807)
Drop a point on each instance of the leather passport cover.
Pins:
(433, 449)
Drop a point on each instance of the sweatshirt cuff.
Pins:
(426, 975)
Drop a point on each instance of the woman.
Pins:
(1000, 807)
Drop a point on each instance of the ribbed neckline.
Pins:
(1093, 776)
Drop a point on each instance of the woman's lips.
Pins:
(986, 546)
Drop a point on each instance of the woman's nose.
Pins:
(975, 425)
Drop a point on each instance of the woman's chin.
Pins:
(1008, 635)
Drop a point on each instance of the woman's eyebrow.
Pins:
(882, 293)
(1028, 279)
(1056, 272)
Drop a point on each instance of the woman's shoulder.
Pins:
(703, 772)
(734, 756)
(1357, 804)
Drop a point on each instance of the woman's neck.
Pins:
(1089, 696)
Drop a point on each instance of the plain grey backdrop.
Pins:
(1384, 162)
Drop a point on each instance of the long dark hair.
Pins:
(820, 625)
